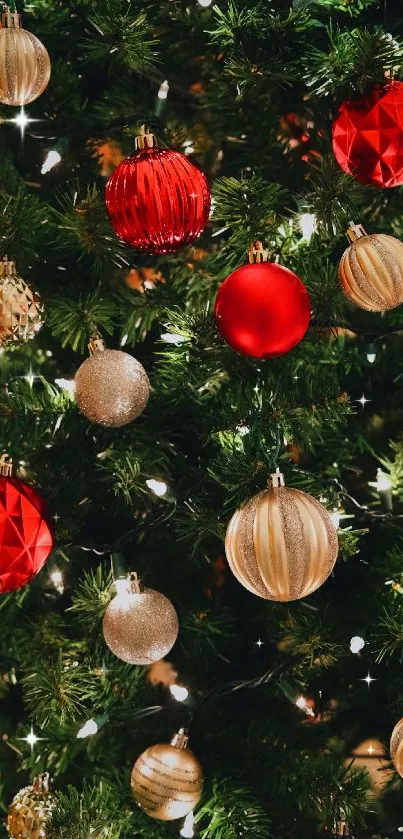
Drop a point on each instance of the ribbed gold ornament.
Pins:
(21, 309)
(111, 387)
(140, 626)
(167, 779)
(396, 747)
(24, 63)
(30, 810)
(371, 270)
(281, 544)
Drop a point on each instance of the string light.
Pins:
(383, 485)
(88, 729)
(187, 830)
(301, 703)
(173, 338)
(371, 354)
(57, 579)
(308, 226)
(205, 3)
(157, 487)
(188, 147)
(179, 692)
(66, 384)
(368, 679)
(164, 90)
(356, 644)
(51, 160)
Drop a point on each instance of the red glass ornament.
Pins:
(262, 310)
(25, 535)
(158, 200)
(368, 136)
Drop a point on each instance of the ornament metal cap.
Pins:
(7, 267)
(96, 344)
(6, 465)
(257, 253)
(10, 20)
(355, 231)
(41, 782)
(276, 479)
(145, 140)
(341, 828)
(180, 739)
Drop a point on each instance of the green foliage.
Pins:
(59, 690)
(121, 40)
(92, 597)
(230, 811)
(308, 637)
(74, 322)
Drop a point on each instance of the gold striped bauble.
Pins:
(281, 544)
(396, 747)
(371, 270)
(24, 63)
(167, 779)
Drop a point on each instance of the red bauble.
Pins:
(262, 310)
(25, 535)
(158, 201)
(368, 136)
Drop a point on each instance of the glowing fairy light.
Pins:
(88, 730)
(56, 577)
(187, 830)
(179, 692)
(164, 90)
(356, 644)
(51, 160)
(157, 487)
(307, 225)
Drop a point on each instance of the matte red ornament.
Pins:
(368, 136)
(157, 199)
(25, 534)
(262, 310)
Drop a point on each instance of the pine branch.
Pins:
(59, 690)
(74, 322)
(121, 40)
(92, 596)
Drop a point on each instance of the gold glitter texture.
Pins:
(167, 780)
(371, 272)
(31, 810)
(140, 627)
(111, 388)
(24, 63)
(21, 309)
(396, 747)
(281, 544)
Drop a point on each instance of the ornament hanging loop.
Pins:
(257, 253)
(180, 739)
(6, 465)
(355, 231)
(144, 140)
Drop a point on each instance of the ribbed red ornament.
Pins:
(368, 136)
(157, 200)
(262, 310)
(25, 534)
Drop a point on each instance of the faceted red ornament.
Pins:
(25, 535)
(368, 136)
(262, 310)
(157, 200)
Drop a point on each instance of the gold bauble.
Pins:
(167, 779)
(371, 270)
(281, 544)
(24, 63)
(140, 626)
(21, 309)
(111, 387)
(396, 747)
(31, 810)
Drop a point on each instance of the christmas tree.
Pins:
(201, 489)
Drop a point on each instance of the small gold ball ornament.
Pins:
(140, 625)
(281, 544)
(167, 779)
(31, 810)
(24, 63)
(21, 309)
(371, 270)
(111, 387)
(396, 747)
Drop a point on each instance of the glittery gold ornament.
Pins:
(396, 747)
(371, 270)
(167, 779)
(31, 810)
(111, 387)
(24, 63)
(281, 544)
(21, 309)
(140, 625)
